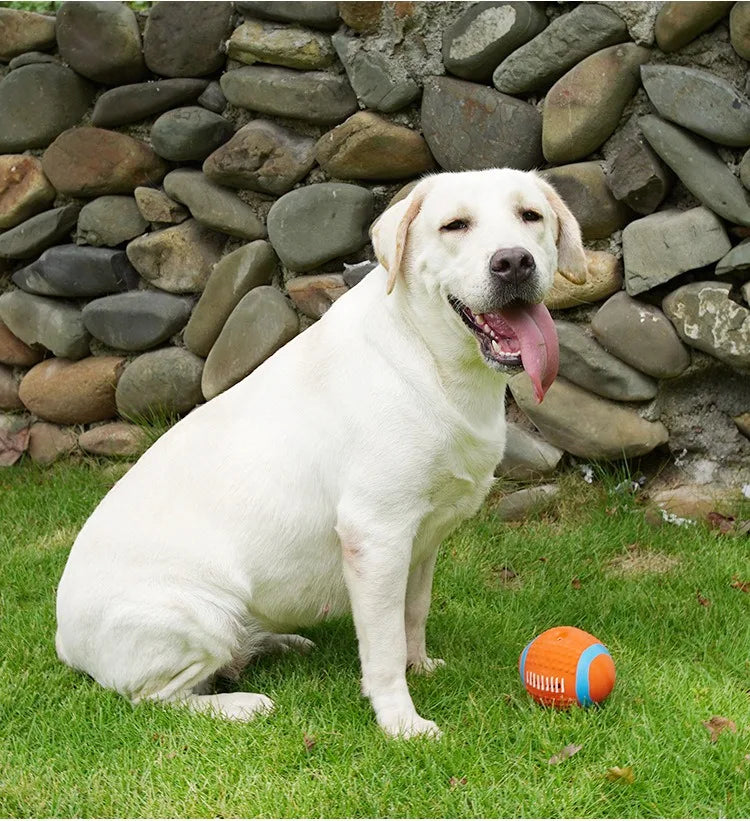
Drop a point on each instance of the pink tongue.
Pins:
(537, 337)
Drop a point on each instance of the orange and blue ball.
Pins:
(566, 666)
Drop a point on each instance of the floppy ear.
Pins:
(571, 259)
(390, 232)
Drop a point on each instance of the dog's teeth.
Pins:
(480, 318)
(495, 346)
(486, 328)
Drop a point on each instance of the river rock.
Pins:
(314, 96)
(566, 41)
(190, 133)
(14, 433)
(585, 363)
(521, 504)
(262, 156)
(177, 259)
(37, 320)
(603, 278)
(212, 205)
(258, 42)
(161, 383)
(22, 31)
(739, 29)
(114, 439)
(174, 46)
(35, 234)
(706, 318)
(660, 246)
(363, 17)
(14, 351)
(584, 188)
(88, 162)
(583, 107)
(137, 101)
(213, 98)
(24, 190)
(587, 425)
(77, 272)
(233, 276)
(156, 206)
(101, 41)
(637, 176)
(526, 456)
(261, 323)
(486, 33)
(678, 23)
(9, 400)
(39, 102)
(380, 82)
(314, 295)
(736, 261)
(110, 221)
(355, 273)
(468, 126)
(137, 320)
(48, 443)
(700, 101)
(368, 147)
(72, 393)
(640, 335)
(318, 15)
(31, 57)
(318, 223)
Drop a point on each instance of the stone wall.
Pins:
(183, 190)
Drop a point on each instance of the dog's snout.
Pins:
(512, 265)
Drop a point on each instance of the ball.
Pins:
(565, 666)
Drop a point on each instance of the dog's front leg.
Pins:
(418, 595)
(376, 572)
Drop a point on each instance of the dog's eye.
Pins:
(531, 216)
(455, 225)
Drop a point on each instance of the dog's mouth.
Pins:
(519, 336)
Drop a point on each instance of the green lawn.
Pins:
(68, 748)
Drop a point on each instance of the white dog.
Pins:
(327, 479)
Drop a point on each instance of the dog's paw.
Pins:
(413, 726)
(425, 666)
(232, 706)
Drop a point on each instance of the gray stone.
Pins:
(584, 188)
(486, 33)
(48, 443)
(354, 274)
(213, 98)
(699, 100)
(526, 456)
(678, 23)
(35, 234)
(37, 320)
(522, 504)
(737, 260)
(318, 223)
(699, 167)
(30, 58)
(469, 126)
(131, 103)
(314, 96)
(24, 190)
(22, 31)
(378, 81)
(587, 425)
(39, 102)
(566, 41)
(745, 169)
(101, 41)
(640, 335)
(177, 259)
(585, 363)
(279, 45)
(637, 176)
(706, 318)
(583, 108)
(114, 439)
(158, 384)
(262, 156)
(213, 205)
(233, 276)
(321, 14)
(137, 320)
(603, 278)
(660, 246)
(110, 221)
(76, 272)
(746, 292)
(314, 295)
(156, 206)
(189, 133)
(184, 39)
(261, 323)
(739, 29)
(9, 399)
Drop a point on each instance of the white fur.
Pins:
(325, 481)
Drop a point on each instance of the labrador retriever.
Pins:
(325, 481)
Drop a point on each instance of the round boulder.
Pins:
(190, 133)
(24, 190)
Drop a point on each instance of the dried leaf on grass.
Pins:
(738, 584)
(621, 774)
(575, 583)
(702, 600)
(12, 446)
(309, 741)
(716, 726)
(457, 782)
(720, 522)
(567, 752)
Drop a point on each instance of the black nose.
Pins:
(512, 265)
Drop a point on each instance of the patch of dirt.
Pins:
(639, 560)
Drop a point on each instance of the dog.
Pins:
(325, 481)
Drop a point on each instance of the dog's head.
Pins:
(486, 245)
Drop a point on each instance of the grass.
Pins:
(69, 748)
